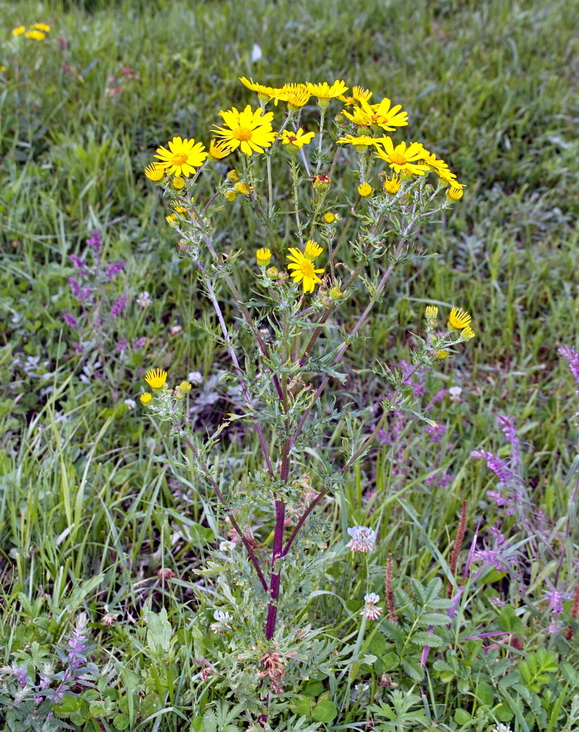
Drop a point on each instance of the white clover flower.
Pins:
(131, 404)
(455, 392)
(502, 728)
(363, 539)
(370, 609)
(195, 378)
(144, 299)
(223, 619)
(226, 546)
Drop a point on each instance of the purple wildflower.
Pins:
(79, 292)
(572, 357)
(70, 320)
(499, 467)
(21, 674)
(140, 343)
(113, 270)
(118, 306)
(437, 432)
(510, 432)
(438, 397)
(77, 347)
(78, 263)
(95, 240)
(122, 344)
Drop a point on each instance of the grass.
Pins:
(88, 512)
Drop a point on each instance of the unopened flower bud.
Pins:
(184, 386)
(335, 293)
(241, 187)
(233, 176)
(321, 183)
(454, 194)
(431, 312)
(263, 257)
(365, 190)
(146, 398)
(178, 183)
(230, 195)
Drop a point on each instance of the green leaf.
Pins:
(412, 668)
(484, 693)
(434, 619)
(121, 721)
(390, 661)
(509, 621)
(158, 632)
(461, 716)
(325, 711)
(426, 639)
(303, 706)
(313, 688)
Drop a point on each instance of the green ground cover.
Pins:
(91, 518)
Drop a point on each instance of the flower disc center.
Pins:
(398, 159)
(242, 133)
(179, 159)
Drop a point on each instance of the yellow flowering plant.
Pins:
(287, 347)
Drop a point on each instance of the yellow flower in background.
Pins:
(35, 35)
(358, 95)
(431, 312)
(19, 30)
(402, 158)
(42, 27)
(218, 150)
(381, 115)
(251, 131)
(458, 319)
(324, 92)
(230, 195)
(467, 333)
(172, 220)
(312, 250)
(265, 92)
(296, 95)
(184, 386)
(155, 172)
(263, 257)
(454, 193)
(329, 217)
(303, 270)
(183, 156)
(296, 139)
(365, 190)
(146, 398)
(156, 378)
(441, 354)
(392, 185)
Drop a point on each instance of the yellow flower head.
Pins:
(359, 95)
(19, 30)
(392, 185)
(321, 182)
(156, 378)
(458, 319)
(155, 172)
(359, 141)
(146, 398)
(230, 195)
(381, 115)
(42, 27)
(296, 95)
(180, 209)
(172, 220)
(335, 293)
(448, 178)
(365, 190)
(263, 92)
(178, 183)
(218, 150)
(467, 333)
(312, 250)
(402, 158)
(324, 92)
(454, 193)
(303, 270)
(296, 139)
(183, 156)
(441, 354)
(437, 164)
(263, 257)
(431, 312)
(184, 387)
(232, 176)
(35, 35)
(329, 217)
(242, 187)
(251, 131)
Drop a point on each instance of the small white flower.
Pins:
(256, 53)
(363, 539)
(226, 546)
(195, 378)
(502, 728)
(144, 299)
(131, 404)
(223, 619)
(174, 329)
(370, 609)
(455, 392)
